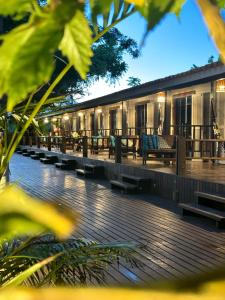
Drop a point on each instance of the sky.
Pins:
(174, 46)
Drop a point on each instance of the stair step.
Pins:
(127, 187)
(38, 155)
(69, 161)
(29, 153)
(63, 166)
(35, 157)
(96, 170)
(142, 183)
(49, 159)
(216, 198)
(204, 211)
(19, 152)
(83, 172)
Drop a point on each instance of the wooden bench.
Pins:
(161, 154)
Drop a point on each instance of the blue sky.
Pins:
(174, 46)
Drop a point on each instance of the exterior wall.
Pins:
(126, 110)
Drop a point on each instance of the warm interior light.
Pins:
(66, 117)
(161, 97)
(220, 85)
(54, 119)
(99, 111)
(46, 120)
(80, 114)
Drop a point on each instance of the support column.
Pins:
(167, 119)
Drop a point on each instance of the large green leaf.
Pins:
(154, 10)
(215, 23)
(11, 7)
(26, 59)
(76, 43)
(22, 215)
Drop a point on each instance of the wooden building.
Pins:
(191, 104)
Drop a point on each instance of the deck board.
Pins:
(175, 246)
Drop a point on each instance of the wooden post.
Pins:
(38, 142)
(63, 145)
(49, 143)
(180, 155)
(85, 146)
(118, 150)
(30, 141)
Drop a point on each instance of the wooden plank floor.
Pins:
(174, 248)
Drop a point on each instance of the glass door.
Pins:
(183, 116)
(141, 119)
(112, 121)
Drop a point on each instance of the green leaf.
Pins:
(19, 279)
(154, 10)
(215, 23)
(76, 43)
(23, 215)
(12, 7)
(26, 59)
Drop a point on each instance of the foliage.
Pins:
(133, 81)
(77, 261)
(21, 214)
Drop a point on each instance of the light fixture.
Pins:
(54, 119)
(66, 117)
(161, 97)
(80, 114)
(46, 120)
(99, 111)
(220, 86)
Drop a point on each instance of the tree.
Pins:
(133, 81)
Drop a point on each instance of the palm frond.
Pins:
(81, 261)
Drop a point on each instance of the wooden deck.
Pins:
(175, 247)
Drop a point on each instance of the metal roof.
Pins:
(199, 75)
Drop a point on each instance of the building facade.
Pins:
(190, 103)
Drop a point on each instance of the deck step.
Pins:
(142, 183)
(125, 186)
(210, 200)
(29, 153)
(96, 170)
(49, 159)
(202, 210)
(69, 161)
(37, 155)
(64, 166)
(85, 173)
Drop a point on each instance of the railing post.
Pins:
(63, 145)
(38, 142)
(85, 146)
(180, 155)
(24, 141)
(49, 143)
(30, 141)
(118, 150)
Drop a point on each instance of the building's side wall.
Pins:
(126, 110)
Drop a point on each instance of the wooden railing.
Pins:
(186, 131)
